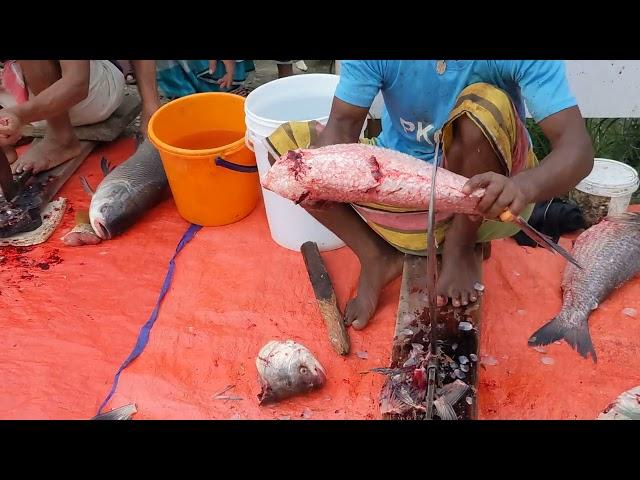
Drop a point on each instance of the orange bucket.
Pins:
(212, 174)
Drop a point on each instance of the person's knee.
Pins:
(470, 152)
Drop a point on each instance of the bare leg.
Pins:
(469, 154)
(10, 153)
(380, 263)
(60, 142)
(285, 70)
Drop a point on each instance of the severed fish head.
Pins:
(286, 369)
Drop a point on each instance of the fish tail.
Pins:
(576, 335)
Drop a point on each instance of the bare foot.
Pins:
(47, 154)
(460, 277)
(374, 275)
(10, 153)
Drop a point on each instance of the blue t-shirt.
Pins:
(418, 99)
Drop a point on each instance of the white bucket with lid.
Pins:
(614, 182)
(296, 98)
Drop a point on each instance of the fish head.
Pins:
(307, 371)
(108, 212)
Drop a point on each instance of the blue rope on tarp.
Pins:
(143, 336)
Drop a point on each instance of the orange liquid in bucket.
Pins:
(191, 134)
(207, 140)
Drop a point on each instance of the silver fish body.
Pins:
(128, 192)
(610, 255)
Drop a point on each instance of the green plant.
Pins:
(615, 138)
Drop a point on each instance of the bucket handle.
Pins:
(221, 162)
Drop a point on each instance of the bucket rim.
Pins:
(160, 145)
(282, 81)
(594, 187)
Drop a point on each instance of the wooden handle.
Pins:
(326, 297)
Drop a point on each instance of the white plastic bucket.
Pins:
(610, 185)
(296, 98)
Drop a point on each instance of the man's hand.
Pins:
(148, 109)
(227, 80)
(10, 128)
(501, 193)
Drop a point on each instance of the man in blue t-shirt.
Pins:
(479, 107)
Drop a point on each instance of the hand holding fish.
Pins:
(500, 194)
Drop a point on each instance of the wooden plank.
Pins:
(412, 310)
(106, 131)
(53, 180)
(412, 301)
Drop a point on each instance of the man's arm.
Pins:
(145, 72)
(60, 97)
(570, 159)
(360, 82)
(344, 125)
(546, 90)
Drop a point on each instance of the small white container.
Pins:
(607, 190)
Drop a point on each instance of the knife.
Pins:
(540, 238)
(432, 281)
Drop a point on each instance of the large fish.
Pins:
(610, 255)
(123, 197)
(358, 173)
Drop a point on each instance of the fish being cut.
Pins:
(358, 173)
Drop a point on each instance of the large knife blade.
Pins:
(538, 237)
(432, 281)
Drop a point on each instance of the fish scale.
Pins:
(610, 255)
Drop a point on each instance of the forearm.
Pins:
(229, 66)
(343, 126)
(145, 72)
(59, 98)
(558, 173)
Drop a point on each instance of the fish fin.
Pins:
(578, 337)
(122, 413)
(444, 410)
(452, 392)
(86, 187)
(105, 166)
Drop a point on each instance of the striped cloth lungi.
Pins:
(493, 112)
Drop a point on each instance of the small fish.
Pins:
(122, 413)
(610, 255)
(286, 369)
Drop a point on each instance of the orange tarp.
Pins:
(70, 316)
